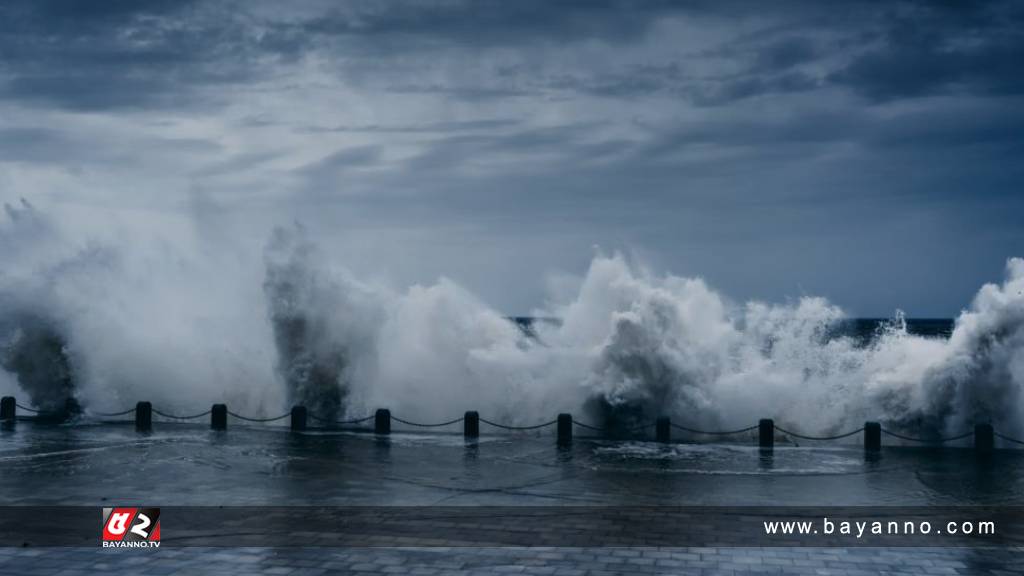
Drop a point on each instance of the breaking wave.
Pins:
(104, 326)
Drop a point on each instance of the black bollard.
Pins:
(471, 424)
(984, 438)
(143, 417)
(219, 417)
(872, 436)
(564, 429)
(382, 421)
(8, 408)
(298, 418)
(663, 429)
(766, 433)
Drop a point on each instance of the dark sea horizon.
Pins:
(864, 330)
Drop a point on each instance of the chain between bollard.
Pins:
(836, 437)
(550, 423)
(1009, 439)
(588, 426)
(420, 425)
(507, 427)
(927, 440)
(714, 433)
(248, 419)
(112, 414)
(336, 422)
(189, 417)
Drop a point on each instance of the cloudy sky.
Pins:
(867, 152)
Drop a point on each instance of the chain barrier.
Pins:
(112, 414)
(836, 437)
(247, 419)
(1008, 439)
(714, 433)
(507, 427)
(189, 417)
(336, 422)
(549, 423)
(927, 440)
(419, 425)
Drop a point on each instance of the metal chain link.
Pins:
(111, 414)
(356, 421)
(419, 425)
(926, 440)
(836, 437)
(189, 417)
(247, 419)
(715, 433)
(507, 427)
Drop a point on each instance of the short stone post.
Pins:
(663, 429)
(766, 433)
(382, 421)
(219, 417)
(298, 418)
(143, 417)
(984, 438)
(872, 436)
(471, 424)
(564, 429)
(8, 408)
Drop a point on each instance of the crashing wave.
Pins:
(113, 325)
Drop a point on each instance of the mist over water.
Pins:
(112, 323)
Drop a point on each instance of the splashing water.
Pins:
(629, 345)
(315, 321)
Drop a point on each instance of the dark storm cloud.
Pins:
(464, 92)
(735, 126)
(58, 147)
(104, 55)
(155, 53)
(492, 22)
(421, 128)
(967, 47)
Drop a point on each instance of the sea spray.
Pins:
(979, 374)
(137, 317)
(34, 350)
(188, 325)
(33, 342)
(321, 325)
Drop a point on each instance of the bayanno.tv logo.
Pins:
(131, 528)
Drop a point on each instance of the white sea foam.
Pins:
(186, 329)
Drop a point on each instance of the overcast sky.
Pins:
(866, 152)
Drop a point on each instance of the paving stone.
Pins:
(496, 561)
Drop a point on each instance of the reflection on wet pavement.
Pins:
(191, 465)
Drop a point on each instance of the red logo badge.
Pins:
(131, 528)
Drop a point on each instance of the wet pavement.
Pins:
(192, 465)
(104, 465)
(527, 561)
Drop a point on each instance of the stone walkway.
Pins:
(525, 561)
(191, 466)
